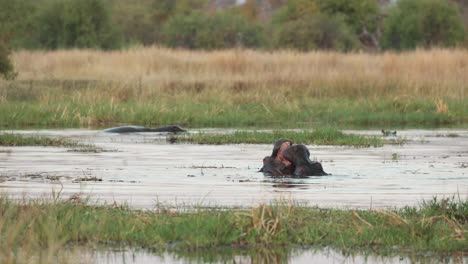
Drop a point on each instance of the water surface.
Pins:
(229, 255)
(143, 170)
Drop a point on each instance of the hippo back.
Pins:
(127, 129)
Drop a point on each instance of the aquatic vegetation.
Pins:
(319, 136)
(435, 226)
(16, 140)
(11, 139)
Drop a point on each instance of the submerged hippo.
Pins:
(299, 155)
(133, 129)
(288, 159)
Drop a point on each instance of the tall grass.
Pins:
(50, 226)
(436, 73)
(235, 87)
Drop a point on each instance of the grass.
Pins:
(320, 136)
(17, 140)
(438, 226)
(191, 111)
(236, 88)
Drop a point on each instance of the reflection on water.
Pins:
(146, 169)
(274, 255)
(288, 184)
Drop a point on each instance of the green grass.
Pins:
(319, 136)
(438, 226)
(17, 140)
(192, 112)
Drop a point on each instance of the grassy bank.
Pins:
(153, 86)
(189, 111)
(17, 140)
(437, 226)
(320, 136)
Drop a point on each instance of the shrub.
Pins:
(356, 13)
(315, 32)
(211, 31)
(142, 21)
(6, 67)
(75, 24)
(422, 23)
(294, 10)
(16, 20)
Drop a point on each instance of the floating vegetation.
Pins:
(87, 179)
(17, 140)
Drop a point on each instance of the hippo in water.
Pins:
(299, 156)
(288, 159)
(276, 164)
(134, 129)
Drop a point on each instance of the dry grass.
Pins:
(154, 86)
(436, 73)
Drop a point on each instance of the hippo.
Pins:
(299, 156)
(134, 129)
(276, 164)
(288, 159)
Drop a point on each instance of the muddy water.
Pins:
(143, 170)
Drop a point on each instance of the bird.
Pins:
(387, 133)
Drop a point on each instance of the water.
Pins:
(143, 170)
(228, 255)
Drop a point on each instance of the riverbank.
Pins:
(436, 226)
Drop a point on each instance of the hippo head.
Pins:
(176, 129)
(276, 164)
(280, 146)
(271, 166)
(299, 156)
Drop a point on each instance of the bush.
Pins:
(422, 23)
(75, 24)
(6, 67)
(358, 14)
(16, 20)
(316, 32)
(211, 31)
(295, 10)
(142, 21)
